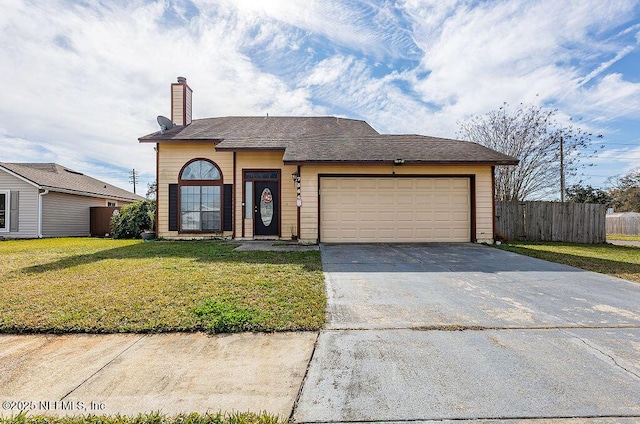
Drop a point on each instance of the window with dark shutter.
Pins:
(200, 193)
(227, 208)
(173, 207)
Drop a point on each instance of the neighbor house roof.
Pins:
(54, 177)
(328, 140)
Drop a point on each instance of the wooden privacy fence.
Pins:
(627, 223)
(551, 221)
(100, 220)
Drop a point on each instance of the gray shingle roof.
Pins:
(387, 148)
(272, 128)
(57, 178)
(328, 140)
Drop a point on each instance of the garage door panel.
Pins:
(383, 199)
(405, 216)
(368, 216)
(442, 217)
(443, 183)
(424, 183)
(405, 199)
(349, 216)
(387, 183)
(374, 209)
(460, 183)
(347, 199)
(405, 183)
(386, 217)
(460, 217)
(459, 200)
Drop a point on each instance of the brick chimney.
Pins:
(181, 95)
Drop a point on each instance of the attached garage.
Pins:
(396, 209)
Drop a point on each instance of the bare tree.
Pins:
(152, 189)
(626, 191)
(533, 135)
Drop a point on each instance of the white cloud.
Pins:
(370, 27)
(611, 98)
(479, 57)
(83, 80)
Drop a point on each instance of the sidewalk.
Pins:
(136, 373)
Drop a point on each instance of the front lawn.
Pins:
(619, 261)
(110, 286)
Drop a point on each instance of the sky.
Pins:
(82, 80)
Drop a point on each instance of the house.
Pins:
(50, 200)
(313, 179)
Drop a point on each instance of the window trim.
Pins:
(218, 182)
(7, 211)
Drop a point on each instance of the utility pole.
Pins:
(561, 170)
(132, 179)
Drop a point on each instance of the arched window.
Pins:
(200, 186)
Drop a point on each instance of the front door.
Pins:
(266, 209)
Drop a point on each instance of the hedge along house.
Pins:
(50, 200)
(317, 179)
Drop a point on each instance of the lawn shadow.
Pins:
(202, 251)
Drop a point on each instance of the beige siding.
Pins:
(309, 181)
(67, 215)
(267, 160)
(177, 103)
(27, 203)
(172, 157)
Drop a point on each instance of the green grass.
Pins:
(153, 418)
(619, 261)
(622, 237)
(111, 286)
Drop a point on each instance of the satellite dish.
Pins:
(165, 124)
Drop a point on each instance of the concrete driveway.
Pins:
(468, 332)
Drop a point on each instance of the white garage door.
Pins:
(367, 209)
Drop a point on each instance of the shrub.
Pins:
(133, 219)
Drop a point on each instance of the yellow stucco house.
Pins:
(317, 179)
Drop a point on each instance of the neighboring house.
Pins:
(316, 179)
(49, 200)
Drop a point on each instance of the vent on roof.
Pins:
(71, 171)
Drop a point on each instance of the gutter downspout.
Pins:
(45, 192)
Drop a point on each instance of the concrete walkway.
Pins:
(170, 373)
(471, 333)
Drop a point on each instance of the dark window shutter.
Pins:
(15, 207)
(173, 207)
(227, 208)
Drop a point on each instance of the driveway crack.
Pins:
(102, 367)
(304, 379)
(613, 359)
